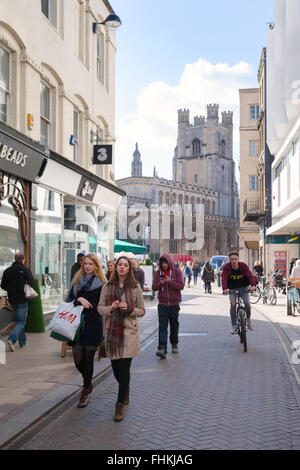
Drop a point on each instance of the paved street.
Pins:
(211, 395)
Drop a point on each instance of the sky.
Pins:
(174, 54)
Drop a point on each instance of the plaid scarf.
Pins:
(114, 341)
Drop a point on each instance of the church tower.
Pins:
(136, 164)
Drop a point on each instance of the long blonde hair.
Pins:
(97, 271)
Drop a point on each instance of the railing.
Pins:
(253, 209)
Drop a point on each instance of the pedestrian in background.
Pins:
(13, 281)
(138, 273)
(110, 270)
(121, 303)
(258, 269)
(292, 264)
(182, 269)
(208, 277)
(85, 289)
(168, 281)
(188, 273)
(75, 268)
(195, 269)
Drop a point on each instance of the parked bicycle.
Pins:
(264, 290)
(293, 296)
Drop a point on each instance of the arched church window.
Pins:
(196, 147)
(223, 148)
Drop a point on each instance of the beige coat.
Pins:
(132, 347)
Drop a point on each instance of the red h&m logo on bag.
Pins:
(65, 315)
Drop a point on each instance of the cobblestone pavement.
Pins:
(211, 395)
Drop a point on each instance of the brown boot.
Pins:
(119, 416)
(126, 401)
(84, 398)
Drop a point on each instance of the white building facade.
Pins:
(283, 132)
(57, 100)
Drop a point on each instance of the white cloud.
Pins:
(154, 124)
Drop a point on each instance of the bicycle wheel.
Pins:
(274, 300)
(242, 315)
(289, 305)
(267, 295)
(255, 296)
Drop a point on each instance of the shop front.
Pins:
(76, 213)
(22, 162)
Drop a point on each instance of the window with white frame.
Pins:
(254, 184)
(76, 136)
(4, 84)
(253, 148)
(45, 131)
(49, 9)
(100, 57)
(254, 111)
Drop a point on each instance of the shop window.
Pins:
(48, 247)
(4, 84)
(45, 115)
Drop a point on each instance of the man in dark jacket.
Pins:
(237, 276)
(208, 277)
(13, 281)
(75, 268)
(138, 273)
(168, 281)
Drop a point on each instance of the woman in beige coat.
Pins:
(121, 302)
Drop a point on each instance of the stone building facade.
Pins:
(203, 175)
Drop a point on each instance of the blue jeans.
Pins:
(232, 298)
(18, 333)
(168, 314)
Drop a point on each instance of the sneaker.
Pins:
(234, 330)
(161, 352)
(249, 324)
(174, 348)
(10, 345)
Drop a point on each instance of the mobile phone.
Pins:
(162, 276)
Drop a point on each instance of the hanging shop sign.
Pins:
(19, 157)
(86, 188)
(102, 155)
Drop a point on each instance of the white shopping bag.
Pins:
(66, 320)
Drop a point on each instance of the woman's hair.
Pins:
(130, 281)
(97, 271)
(108, 273)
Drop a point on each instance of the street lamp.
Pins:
(112, 21)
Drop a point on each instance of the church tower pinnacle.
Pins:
(136, 164)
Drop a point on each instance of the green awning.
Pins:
(125, 246)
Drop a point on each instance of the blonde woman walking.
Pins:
(121, 303)
(85, 289)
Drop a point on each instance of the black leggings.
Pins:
(121, 370)
(84, 362)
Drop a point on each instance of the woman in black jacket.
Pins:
(85, 289)
(208, 277)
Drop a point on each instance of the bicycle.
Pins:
(241, 318)
(267, 293)
(293, 298)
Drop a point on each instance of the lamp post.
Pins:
(112, 21)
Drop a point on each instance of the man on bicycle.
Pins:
(237, 276)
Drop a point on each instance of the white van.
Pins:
(217, 261)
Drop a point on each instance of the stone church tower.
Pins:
(204, 156)
(136, 164)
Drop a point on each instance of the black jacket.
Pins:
(74, 270)
(92, 334)
(14, 280)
